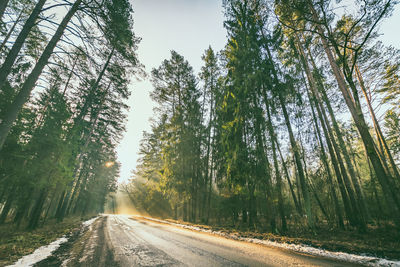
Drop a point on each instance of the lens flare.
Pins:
(109, 164)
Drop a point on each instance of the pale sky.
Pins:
(188, 27)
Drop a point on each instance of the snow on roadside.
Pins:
(88, 223)
(40, 253)
(353, 258)
(365, 260)
(45, 251)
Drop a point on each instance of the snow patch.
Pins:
(40, 253)
(45, 251)
(88, 223)
(342, 256)
(365, 260)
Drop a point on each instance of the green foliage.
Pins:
(59, 158)
(391, 88)
(262, 134)
(392, 125)
(260, 137)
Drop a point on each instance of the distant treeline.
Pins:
(65, 67)
(295, 122)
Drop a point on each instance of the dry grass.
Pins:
(379, 242)
(15, 243)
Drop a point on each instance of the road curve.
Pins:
(137, 242)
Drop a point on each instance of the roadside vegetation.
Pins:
(16, 242)
(291, 129)
(382, 243)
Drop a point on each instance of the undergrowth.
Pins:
(17, 242)
(378, 242)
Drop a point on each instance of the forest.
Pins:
(295, 124)
(64, 76)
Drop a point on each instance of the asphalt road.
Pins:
(117, 240)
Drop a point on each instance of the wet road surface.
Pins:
(117, 240)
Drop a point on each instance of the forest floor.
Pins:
(15, 243)
(376, 242)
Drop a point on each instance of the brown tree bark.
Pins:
(363, 129)
(342, 146)
(378, 131)
(357, 216)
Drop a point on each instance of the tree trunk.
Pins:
(262, 155)
(7, 206)
(329, 141)
(303, 185)
(244, 212)
(5, 40)
(74, 194)
(343, 147)
(379, 134)
(45, 106)
(363, 129)
(60, 204)
(37, 209)
(24, 204)
(68, 199)
(88, 100)
(300, 171)
(286, 171)
(327, 168)
(207, 171)
(80, 197)
(185, 211)
(276, 166)
(49, 206)
(23, 95)
(3, 6)
(356, 215)
(19, 42)
(252, 206)
(210, 185)
(69, 190)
